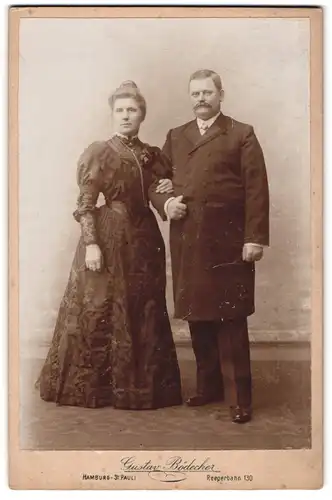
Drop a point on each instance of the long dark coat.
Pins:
(223, 180)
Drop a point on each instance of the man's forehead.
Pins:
(202, 83)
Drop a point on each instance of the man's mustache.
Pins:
(202, 105)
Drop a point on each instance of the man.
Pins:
(219, 225)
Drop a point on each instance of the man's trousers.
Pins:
(223, 360)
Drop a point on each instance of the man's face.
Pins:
(205, 98)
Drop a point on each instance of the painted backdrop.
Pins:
(68, 68)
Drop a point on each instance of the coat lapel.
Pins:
(219, 127)
(192, 133)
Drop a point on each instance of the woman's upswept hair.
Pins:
(125, 90)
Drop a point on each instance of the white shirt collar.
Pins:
(208, 122)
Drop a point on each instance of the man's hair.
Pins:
(207, 73)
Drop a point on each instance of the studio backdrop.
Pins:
(68, 69)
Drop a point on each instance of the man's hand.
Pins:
(176, 209)
(252, 252)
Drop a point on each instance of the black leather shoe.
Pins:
(199, 400)
(240, 415)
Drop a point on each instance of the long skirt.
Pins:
(112, 343)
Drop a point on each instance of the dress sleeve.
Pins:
(162, 169)
(88, 179)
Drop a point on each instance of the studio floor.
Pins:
(281, 420)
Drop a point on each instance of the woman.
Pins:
(113, 343)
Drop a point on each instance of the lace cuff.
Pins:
(89, 166)
(88, 228)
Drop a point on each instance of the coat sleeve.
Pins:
(255, 180)
(165, 171)
(88, 179)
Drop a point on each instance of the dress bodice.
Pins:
(121, 172)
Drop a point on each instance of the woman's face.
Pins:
(127, 116)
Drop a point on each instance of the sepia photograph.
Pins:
(165, 168)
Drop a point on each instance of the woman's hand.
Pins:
(165, 186)
(93, 257)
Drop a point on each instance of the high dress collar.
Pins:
(129, 141)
